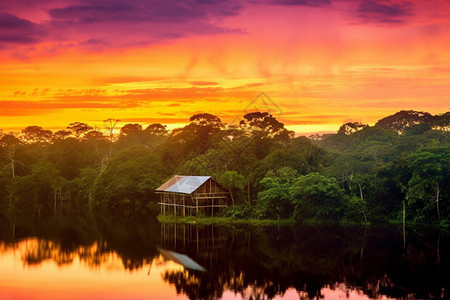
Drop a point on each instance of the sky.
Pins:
(315, 64)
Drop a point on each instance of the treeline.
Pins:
(361, 174)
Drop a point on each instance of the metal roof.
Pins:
(181, 259)
(183, 184)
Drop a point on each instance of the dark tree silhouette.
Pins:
(36, 134)
(79, 129)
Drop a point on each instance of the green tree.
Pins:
(429, 180)
(232, 181)
(127, 184)
(318, 197)
(10, 143)
(156, 129)
(265, 130)
(193, 139)
(274, 200)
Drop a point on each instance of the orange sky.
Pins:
(321, 62)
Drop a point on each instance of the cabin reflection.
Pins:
(202, 243)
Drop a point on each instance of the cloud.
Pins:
(129, 99)
(28, 108)
(156, 120)
(140, 22)
(15, 30)
(314, 3)
(129, 79)
(203, 83)
(140, 97)
(101, 24)
(388, 12)
(94, 42)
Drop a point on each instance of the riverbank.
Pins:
(222, 220)
(170, 219)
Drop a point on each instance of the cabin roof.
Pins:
(183, 184)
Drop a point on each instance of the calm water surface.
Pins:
(152, 261)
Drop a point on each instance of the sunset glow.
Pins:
(322, 62)
(78, 278)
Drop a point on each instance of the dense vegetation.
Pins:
(399, 167)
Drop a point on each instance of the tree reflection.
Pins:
(257, 262)
(260, 263)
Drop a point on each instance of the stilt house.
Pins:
(191, 195)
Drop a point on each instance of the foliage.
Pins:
(361, 174)
(274, 200)
(128, 182)
(79, 129)
(241, 211)
(232, 181)
(317, 197)
(404, 119)
(428, 187)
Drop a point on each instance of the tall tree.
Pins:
(404, 119)
(79, 129)
(36, 134)
(110, 124)
(10, 143)
(351, 127)
(274, 200)
(232, 181)
(264, 125)
(429, 179)
(265, 132)
(94, 135)
(61, 134)
(157, 129)
(318, 197)
(131, 129)
(205, 125)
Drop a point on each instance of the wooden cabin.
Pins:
(191, 195)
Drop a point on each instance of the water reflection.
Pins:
(124, 261)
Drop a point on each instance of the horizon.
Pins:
(99, 126)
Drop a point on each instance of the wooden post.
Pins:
(174, 205)
(164, 203)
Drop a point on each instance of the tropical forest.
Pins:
(395, 171)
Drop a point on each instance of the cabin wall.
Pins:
(208, 200)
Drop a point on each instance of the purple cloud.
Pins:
(15, 30)
(143, 22)
(116, 23)
(301, 2)
(383, 11)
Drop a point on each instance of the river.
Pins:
(154, 261)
